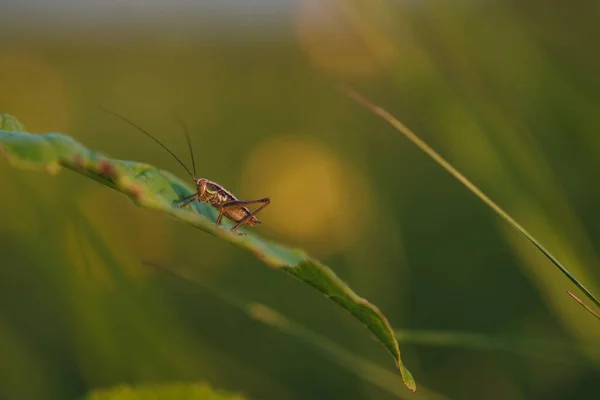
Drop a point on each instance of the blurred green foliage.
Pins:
(507, 91)
(164, 392)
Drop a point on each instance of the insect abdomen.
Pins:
(220, 196)
(238, 214)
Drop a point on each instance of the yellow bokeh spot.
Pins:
(340, 41)
(316, 198)
(33, 91)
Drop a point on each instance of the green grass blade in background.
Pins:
(363, 368)
(156, 189)
(520, 346)
(173, 391)
(585, 306)
(400, 127)
(533, 347)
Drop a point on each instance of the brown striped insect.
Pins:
(208, 191)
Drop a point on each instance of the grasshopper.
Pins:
(208, 191)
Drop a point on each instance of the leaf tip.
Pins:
(407, 378)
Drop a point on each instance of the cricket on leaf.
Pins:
(208, 191)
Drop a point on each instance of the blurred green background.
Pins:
(507, 91)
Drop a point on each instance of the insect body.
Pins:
(227, 204)
(210, 192)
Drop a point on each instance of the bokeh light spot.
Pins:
(317, 199)
(337, 41)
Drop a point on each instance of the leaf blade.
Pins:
(156, 189)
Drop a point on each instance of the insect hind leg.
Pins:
(243, 203)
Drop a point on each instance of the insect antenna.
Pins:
(189, 140)
(151, 137)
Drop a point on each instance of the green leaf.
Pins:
(173, 391)
(154, 188)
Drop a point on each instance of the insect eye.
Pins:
(201, 184)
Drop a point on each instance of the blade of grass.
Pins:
(530, 347)
(400, 127)
(363, 368)
(588, 309)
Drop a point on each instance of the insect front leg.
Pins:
(188, 200)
